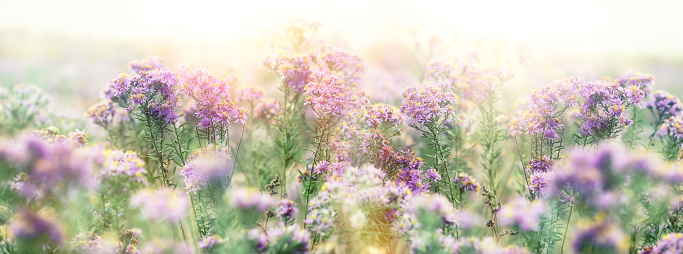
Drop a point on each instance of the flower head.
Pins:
(164, 204)
(427, 103)
(146, 64)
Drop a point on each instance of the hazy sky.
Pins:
(623, 26)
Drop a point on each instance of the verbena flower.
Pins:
(146, 64)
(427, 103)
(519, 212)
(164, 204)
(210, 163)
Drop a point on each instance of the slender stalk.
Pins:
(564, 237)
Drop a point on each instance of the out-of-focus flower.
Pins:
(164, 204)
(286, 209)
(268, 110)
(159, 246)
(209, 242)
(102, 113)
(210, 163)
(289, 239)
(601, 236)
(31, 226)
(519, 212)
(466, 183)
(92, 243)
(48, 167)
(339, 60)
(146, 64)
(432, 211)
(295, 71)
(78, 138)
(249, 94)
(248, 199)
(257, 240)
(383, 115)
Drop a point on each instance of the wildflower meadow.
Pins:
(186, 159)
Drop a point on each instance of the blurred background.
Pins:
(73, 48)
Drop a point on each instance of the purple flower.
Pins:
(204, 166)
(258, 240)
(164, 204)
(248, 199)
(601, 237)
(433, 175)
(642, 81)
(118, 163)
(102, 113)
(146, 64)
(519, 212)
(292, 237)
(329, 97)
(210, 241)
(542, 165)
(427, 207)
(672, 127)
(268, 110)
(665, 105)
(538, 183)
(427, 103)
(295, 72)
(383, 115)
(46, 167)
(29, 225)
(670, 243)
(211, 94)
(339, 60)
(286, 209)
(249, 94)
(466, 183)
